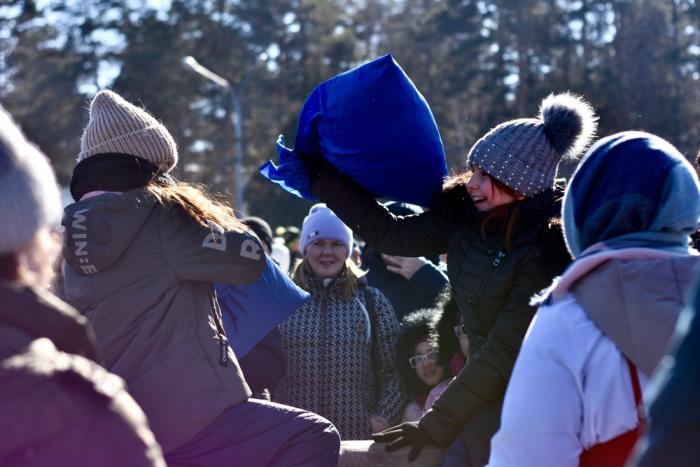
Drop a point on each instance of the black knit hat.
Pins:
(261, 228)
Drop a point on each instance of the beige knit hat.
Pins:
(117, 126)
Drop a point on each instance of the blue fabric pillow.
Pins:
(251, 311)
(374, 126)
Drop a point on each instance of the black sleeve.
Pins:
(209, 254)
(424, 234)
(483, 381)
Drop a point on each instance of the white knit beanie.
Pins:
(29, 196)
(117, 126)
(323, 223)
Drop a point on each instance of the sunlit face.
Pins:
(428, 372)
(326, 257)
(485, 194)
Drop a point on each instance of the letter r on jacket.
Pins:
(250, 249)
(216, 239)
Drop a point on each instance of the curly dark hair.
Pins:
(414, 327)
(442, 328)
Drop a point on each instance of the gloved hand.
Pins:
(406, 434)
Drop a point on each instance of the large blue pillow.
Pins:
(251, 311)
(373, 125)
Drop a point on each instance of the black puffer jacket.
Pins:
(492, 286)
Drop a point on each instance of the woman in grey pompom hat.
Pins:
(499, 223)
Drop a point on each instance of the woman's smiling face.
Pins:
(484, 192)
(326, 257)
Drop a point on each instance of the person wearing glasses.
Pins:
(340, 344)
(418, 363)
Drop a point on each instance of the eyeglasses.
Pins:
(418, 360)
(459, 331)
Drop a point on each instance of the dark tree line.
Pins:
(477, 63)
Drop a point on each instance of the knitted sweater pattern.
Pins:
(332, 370)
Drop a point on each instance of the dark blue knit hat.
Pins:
(631, 189)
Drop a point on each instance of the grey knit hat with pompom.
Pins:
(524, 154)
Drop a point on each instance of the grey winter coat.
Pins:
(142, 273)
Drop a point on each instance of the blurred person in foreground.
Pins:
(673, 432)
(57, 405)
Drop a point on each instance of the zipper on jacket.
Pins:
(499, 258)
(223, 349)
(223, 340)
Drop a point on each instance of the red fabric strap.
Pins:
(614, 452)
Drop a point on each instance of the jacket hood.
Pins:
(636, 303)
(99, 229)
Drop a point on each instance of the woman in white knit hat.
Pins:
(58, 406)
(142, 254)
(340, 345)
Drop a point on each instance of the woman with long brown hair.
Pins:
(142, 253)
(498, 224)
(340, 344)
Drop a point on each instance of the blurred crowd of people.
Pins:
(521, 320)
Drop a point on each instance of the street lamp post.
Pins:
(236, 121)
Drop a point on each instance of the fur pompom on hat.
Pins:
(119, 127)
(324, 223)
(524, 154)
(29, 196)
